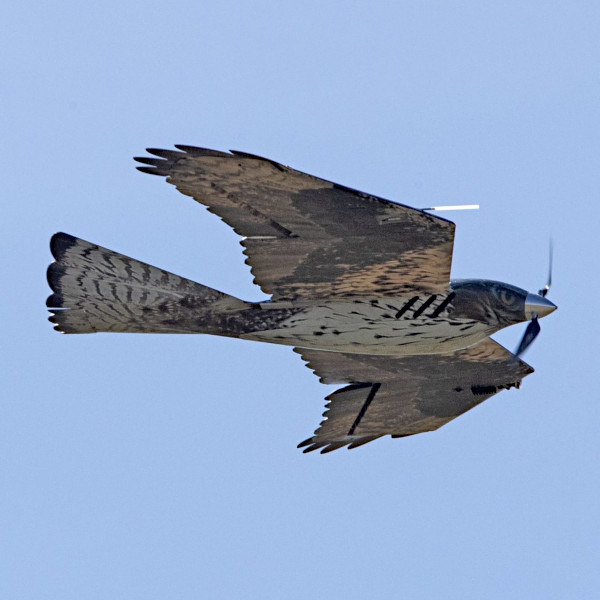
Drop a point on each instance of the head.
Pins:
(496, 303)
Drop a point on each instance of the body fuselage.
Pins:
(370, 326)
(426, 323)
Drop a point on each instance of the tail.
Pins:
(96, 289)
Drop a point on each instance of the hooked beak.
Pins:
(537, 306)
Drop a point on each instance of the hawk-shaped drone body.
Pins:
(359, 285)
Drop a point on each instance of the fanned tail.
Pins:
(96, 289)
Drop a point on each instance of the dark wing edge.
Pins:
(403, 396)
(318, 230)
(166, 160)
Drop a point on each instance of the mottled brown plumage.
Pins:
(309, 238)
(415, 393)
(360, 287)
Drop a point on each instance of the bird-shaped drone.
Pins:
(360, 287)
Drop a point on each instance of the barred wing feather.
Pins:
(401, 396)
(305, 237)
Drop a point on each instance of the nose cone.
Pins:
(538, 305)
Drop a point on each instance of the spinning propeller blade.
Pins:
(530, 334)
(546, 288)
(536, 306)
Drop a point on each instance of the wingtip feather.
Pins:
(333, 446)
(61, 242)
(151, 171)
(305, 443)
(197, 151)
(162, 153)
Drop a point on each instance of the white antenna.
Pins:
(455, 207)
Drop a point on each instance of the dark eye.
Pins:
(507, 298)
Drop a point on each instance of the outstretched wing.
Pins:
(401, 396)
(307, 237)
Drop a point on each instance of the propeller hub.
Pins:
(536, 305)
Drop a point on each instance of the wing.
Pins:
(307, 237)
(401, 396)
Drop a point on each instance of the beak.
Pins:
(539, 306)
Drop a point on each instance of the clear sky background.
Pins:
(153, 467)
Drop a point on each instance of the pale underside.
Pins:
(376, 326)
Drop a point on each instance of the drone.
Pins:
(359, 286)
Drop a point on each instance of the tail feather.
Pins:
(96, 289)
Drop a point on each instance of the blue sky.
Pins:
(165, 466)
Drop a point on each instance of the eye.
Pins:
(507, 297)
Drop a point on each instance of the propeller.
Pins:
(530, 334)
(544, 291)
(537, 306)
